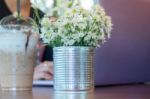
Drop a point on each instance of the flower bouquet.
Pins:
(76, 26)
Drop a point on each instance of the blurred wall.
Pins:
(125, 58)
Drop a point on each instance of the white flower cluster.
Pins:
(77, 27)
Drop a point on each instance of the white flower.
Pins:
(77, 27)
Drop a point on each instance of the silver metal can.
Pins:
(73, 69)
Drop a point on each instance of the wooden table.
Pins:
(107, 92)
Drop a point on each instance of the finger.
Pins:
(49, 64)
(42, 75)
(46, 66)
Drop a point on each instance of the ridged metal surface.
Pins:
(73, 69)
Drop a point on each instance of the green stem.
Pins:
(18, 9)
(55, 3)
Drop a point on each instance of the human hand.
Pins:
(44, 71)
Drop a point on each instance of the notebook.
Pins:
(43, 82)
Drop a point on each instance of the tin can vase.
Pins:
(73, 69)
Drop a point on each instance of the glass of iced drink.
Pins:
(17, 54)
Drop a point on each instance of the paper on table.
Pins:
(42, 82)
